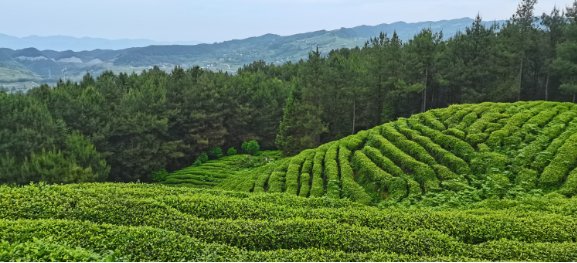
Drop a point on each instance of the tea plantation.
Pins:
(465, 151)
(483, 182)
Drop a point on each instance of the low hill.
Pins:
(474, 152)
(139, 222)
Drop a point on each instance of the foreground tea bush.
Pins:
(138, 222)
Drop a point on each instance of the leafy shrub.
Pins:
(317, 187)
(202, 158)
(40, 250)
(157, 223)
(250, 147)
(569, 188)
(355, 142)
(378, 181)
(136, 243)
(350, 188)
(457, 114)
(215, 153)
(305, 185)
(422, 172)
(527, 179)
(293, 173)
(458, 147)
(276, 182)
(407, 146)
(231, 151)
(332, 172)
(564, 161)
(382, 161)
(160, 175)
(456, 132)
(261, 183)
(431, 120)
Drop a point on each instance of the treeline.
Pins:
(124, 127)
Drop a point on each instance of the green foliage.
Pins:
(317, 186)
(35, 147)
(350, 188)
(215, 153)
(142, 123)
(140, 222)
(421, 172)
(305, 184)
(160, 176)
(332, 172)
(214, 172)
(202, 158)
(250, 147)
(300, 127)
(380, 183)
(294, 172)
(40, 250)
(231, 151)
(521, 147)
(565, 160)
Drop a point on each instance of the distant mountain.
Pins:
(22, 68)
(62, 43)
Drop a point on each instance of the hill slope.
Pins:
(438, 173)
(481, 151)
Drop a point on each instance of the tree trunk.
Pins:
(354, 115)
(424, 106)
(520, 80)
(547, 87)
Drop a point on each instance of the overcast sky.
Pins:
(219, 20)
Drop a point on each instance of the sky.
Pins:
(219, 20)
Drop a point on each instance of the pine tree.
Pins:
(300, 127)
(555, 24)
(565, 64)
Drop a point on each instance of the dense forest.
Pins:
(125, 127)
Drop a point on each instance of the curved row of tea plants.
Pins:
(214, 172)
(495, 149)
(160, 223)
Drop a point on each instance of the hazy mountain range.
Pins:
(62, 43)
(21, 69)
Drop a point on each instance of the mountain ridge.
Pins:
(78, 44)
(22, 69)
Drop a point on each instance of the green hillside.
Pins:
(140, 222)
(474, 151)
(483, 182)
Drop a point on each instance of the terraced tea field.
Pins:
(213, 172)
(484, 182)
(139, 222)
(509, 147)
